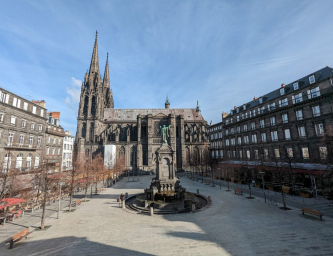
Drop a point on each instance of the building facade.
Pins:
(68, 145)
(136, 133)
(22, 132)
(287, 124)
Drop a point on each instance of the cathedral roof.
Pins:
(111, 114)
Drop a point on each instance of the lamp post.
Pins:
(60, 184)
(263, 180)
(220, 176)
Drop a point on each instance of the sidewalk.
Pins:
(321, 204)
(32, 220)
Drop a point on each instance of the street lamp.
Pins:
(263, 181)
(60, 184)
(220, 176)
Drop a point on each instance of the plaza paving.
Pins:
(232, 225)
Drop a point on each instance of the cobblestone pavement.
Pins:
(233, 225)
(321, 204)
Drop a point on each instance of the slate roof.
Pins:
(130, 115)
(303, 82)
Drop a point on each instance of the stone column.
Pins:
(182, 140)
(139, 145)
(150, 132)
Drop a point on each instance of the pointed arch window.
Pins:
(85, 108)
(93, 106)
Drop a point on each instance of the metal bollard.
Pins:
(151, 210)
(123, 204)
(193, 208)
(209, 199)
(22, 213)
(198, 191)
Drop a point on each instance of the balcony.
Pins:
(19, 146)
(54, 132)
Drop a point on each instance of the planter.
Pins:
(286, 190)
(258, 185)
(304, 195)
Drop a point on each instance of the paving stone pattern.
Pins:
(233, 225)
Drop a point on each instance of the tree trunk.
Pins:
(250, 190)
(44, 205)
(85, 192)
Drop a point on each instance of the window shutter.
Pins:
(293, 98)
(18, 103)
(309, 94)
(279, 103)
(318, 91)
(7, 98)
(14, 101)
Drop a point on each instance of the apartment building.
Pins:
(288, 122)
(22, 132)
(54, 136)
(67, 155)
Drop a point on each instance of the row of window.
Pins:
(13, 120)
(4, 97)
(11, 135)
(54, 151)
(67, 156)
(68, 147)
(276, 152)
(319, 129)
(272, 121)
(313, 93)
(216, 136)
(19, 162)
(54, 140)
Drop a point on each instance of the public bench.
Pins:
(18, 237)
(207, 182)
(238, 191)
(313, 212)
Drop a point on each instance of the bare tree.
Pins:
(279, 171)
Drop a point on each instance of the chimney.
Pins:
(235, 107)
(282, 85)
(255, 98)
(55, 115)
(40, 103)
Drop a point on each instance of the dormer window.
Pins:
(295, 85)
(282, 91)
(260, 100)
(312, 79)
(237, 110)
(244, 107)
(231, 112)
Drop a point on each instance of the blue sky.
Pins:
(222, 53)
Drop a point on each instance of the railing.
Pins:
(22, 146)
(54, 132)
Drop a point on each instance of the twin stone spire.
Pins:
(94, 67)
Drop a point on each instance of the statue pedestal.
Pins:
(165, 185)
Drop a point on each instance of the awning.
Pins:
(6, 202)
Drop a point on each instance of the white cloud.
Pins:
(74, 90)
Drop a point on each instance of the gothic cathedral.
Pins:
(135, 133)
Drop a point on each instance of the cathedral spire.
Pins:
(94, 66)
(106, 78)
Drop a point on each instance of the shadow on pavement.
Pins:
(66, 246)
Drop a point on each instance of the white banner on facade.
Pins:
(109, 156)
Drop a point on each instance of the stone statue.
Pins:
(165, 133)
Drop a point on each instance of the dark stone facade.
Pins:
(290, 120)
(135, 132)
